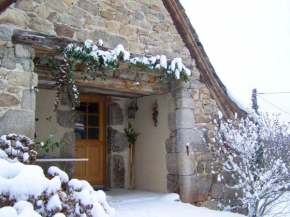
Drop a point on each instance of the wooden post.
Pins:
(132, 167)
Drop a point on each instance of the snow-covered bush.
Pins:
(53, 195)
(17, 148)
(256, 151)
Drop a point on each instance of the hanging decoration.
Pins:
(154, 113)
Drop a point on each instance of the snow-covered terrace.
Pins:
(139, 203)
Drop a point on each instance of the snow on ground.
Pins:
(139, 203)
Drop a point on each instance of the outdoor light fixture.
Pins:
(133, 108)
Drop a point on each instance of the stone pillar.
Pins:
(116, 145)
(17, 79)
(185, 142)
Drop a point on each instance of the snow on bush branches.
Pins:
(96, 61)
(31, 193)
(256, 151)
(17, 148)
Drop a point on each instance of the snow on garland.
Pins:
(25, 191)
(96, 61)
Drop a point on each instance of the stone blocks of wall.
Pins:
(17, 79)
(189, 161)
(138, 25)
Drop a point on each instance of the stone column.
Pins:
(17, 79)
(186, 140)
(116, 145)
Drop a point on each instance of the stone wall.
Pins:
(138, 25)
(118, 155)
(17, 98)
(189, 160)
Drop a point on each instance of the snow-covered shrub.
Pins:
(257, 152)
(31, 193)
(17, 148)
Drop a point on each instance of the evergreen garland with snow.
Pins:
(238, 150)
(97, 61)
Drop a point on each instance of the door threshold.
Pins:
(100, 187)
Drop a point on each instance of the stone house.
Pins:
(175, 155)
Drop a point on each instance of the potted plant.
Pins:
(131, 137)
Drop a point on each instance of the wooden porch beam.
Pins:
(112, 84)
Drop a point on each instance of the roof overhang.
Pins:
(50, 46)
(216, 90)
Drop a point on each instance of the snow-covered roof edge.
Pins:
(208, 74)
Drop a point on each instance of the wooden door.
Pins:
(90, 139)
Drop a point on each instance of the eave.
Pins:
(224, 102)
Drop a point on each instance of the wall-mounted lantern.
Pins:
(133, 108)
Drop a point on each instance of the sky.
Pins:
(248, 43)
